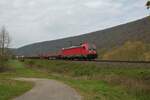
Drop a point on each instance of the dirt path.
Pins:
(46, 89)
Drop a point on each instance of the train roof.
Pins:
(72, 47)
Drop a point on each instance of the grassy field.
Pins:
(100, 81)
(11, 88)
(93, 81)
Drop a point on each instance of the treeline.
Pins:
(130, 50)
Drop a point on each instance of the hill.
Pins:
(108, 38)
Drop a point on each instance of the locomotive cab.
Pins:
(91, 50)
(92, 47)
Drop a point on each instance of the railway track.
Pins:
(115, 61)
(104, 61)
(120, 61)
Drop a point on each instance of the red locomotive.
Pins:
(83, 51)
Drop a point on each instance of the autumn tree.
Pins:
(147, 56)
(129, 51)
(148, 4)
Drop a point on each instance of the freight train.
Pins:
(84, 51)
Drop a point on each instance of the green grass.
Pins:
(93, 81)
(97, 90)
(100, 81)
(18, 69)
(11, 88)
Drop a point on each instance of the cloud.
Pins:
(95, 4)
(29, 21)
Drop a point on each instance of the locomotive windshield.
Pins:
(92, 47)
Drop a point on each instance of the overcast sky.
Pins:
(30, 21)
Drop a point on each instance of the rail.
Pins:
(119, 61)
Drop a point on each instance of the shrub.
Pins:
(3, 62)
(31, 63)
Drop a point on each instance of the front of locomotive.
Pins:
(92, 53)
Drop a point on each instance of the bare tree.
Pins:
(4, 41)
(4, 44)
